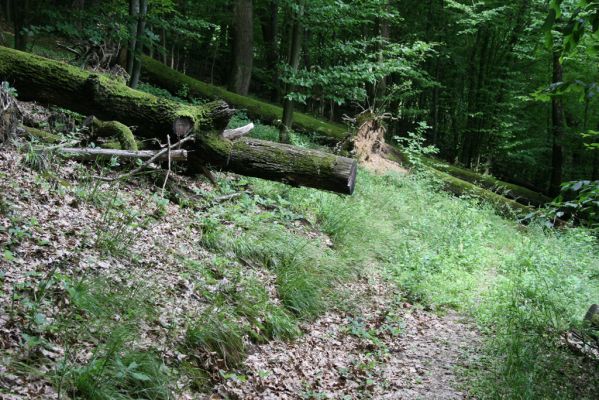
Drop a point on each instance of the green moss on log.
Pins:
(502, 204)
(117, 130)
(510, 190)
(174, 81)
(44, 136)
(37, 78)
(52, 82)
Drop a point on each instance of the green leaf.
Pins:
(8, 255)
(139, 376)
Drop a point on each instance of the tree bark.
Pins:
(557, 129)
(95, 153)
(7, 10)
(56, 83)
(294, 60)
(384, 33)
(243, 47)
(133, 17)
(20, 9)
(269, 35)
(139, 43)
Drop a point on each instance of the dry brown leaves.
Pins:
(57, 233)
(384, 350)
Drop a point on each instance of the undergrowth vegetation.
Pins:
(526, 286)
(280, 257)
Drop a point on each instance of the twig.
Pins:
(145, 164)
(58, 146)
(168, 172)
(222, 199)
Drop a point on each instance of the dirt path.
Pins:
(388, 349)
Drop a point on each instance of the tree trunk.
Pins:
(133, 18)
(557, 130)
(269, 35)
(139, 43)
(595, 170)
(20, 9)
(164, 50)
(384, 33)
(56, 83)
(294, 59)
(8, 11)
(243, 47)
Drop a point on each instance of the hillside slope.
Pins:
(111, 290)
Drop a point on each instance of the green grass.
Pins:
(218, 331)
(279, 257)
(116, 368)
(525, 286)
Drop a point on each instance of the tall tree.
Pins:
(243, 47)
(557, 127)
(295, 50)
(133, 17)
(139, 43)
(269, 23)
(21, 10)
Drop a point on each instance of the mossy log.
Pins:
(460, 187)
(47, 81)
(114, 129)
(42, 135)
(515, 192)
(167, 78)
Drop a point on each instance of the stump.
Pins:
(10, 115)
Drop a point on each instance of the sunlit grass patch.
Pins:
(220, 332)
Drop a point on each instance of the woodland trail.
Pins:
(387, 349)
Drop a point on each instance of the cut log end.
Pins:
(182, 126)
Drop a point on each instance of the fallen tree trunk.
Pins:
(172, 80)
(94, 153)
(48, 81)
(512, 191)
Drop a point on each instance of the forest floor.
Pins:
(119, 290)
(61, 245)
(386, 349)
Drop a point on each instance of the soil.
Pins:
(370, 148)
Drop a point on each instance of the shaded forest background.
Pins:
(480, 80)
